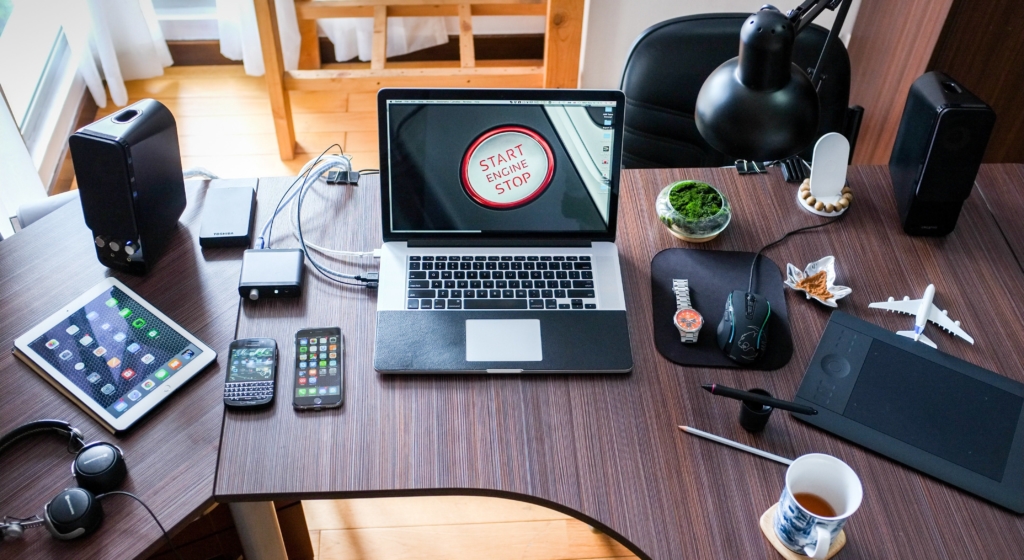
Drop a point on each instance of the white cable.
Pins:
(321, 249)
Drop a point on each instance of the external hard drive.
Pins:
(227, 217)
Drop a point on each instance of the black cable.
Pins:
(137, 499)
(277, 209)
(753, 264)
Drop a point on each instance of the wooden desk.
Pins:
(171, 454)
(606, 449)
(1002, 187)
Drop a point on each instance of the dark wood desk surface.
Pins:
(606, 449)
(1002, 187)
(172, 453)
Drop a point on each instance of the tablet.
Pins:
(113, 353)
(941, 415)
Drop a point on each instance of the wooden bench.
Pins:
(558, 69)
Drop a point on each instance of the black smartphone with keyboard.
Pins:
(251, 372)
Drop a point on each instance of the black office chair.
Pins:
(667, 67)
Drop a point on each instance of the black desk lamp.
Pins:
(760, 106)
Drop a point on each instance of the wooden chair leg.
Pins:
(273, 65)
(562, 43)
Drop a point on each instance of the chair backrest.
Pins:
(667, 67)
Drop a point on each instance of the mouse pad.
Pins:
(713, 275)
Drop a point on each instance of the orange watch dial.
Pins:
(689, 320)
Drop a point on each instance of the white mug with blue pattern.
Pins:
(830, 480)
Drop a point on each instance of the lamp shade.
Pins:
(759, 106)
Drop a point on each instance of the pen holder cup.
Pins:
(754, 416)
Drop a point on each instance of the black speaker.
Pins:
(939, 147)
(128, 168)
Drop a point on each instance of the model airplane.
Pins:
(925, 311)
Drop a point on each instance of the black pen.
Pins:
(723, 391)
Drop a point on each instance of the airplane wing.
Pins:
(936, 316)
(908, 306)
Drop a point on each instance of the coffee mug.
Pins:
(821, 493)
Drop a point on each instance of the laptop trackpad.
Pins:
(503, 340)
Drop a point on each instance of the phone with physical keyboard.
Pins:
(319, 369)
(251, 372)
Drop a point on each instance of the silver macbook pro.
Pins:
(499, 213)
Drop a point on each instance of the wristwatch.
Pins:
(686, 319)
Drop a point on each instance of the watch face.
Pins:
(689, 320)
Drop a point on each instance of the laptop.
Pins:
(498, 210)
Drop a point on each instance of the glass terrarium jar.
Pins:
(693, 211)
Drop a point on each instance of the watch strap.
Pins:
(681, 287)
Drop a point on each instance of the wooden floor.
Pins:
(225, 125)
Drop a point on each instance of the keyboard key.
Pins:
(472, 275)
(469, 294)
(426, 304)
(522, 294)
(547, 294)
(527, 284)
(504, 265)
(506, 258)
(523, 275)
(444, 293)
(574, 275)
(495, 294)
(475, 284)
(568, 265)
(428, 258)
(456, 294)
(438, 304)
(552, 284)
(455, 265)
(576, 304)
(460, 275)
(419, 284)
(488, 284)
(433, 275)
(563, 306)
(467, 258)
(587, 275)
(559, 258)
(478, 265)
(585, 258)
(414, 304)
(465, 266)
(493, 258)
(449, 284)
(529, 266)
(582, 283)
(582, 266)
(508, 294)
(549, 275)
(564, 284)
(560, 294)
(417, 275)
(479, 258)
(532, 258)
(573, 258)
(520, 259)
(501, 284)
(440, 258)
(414, 258)
(491, 265)
(481, 294)
(436, 284)
(517, 265)
(536, 304)
(455, 304)
(463, 284)
(422, 294)
(486, 275)
(495, 304)
(581, 294)
(534, 294)
(562, 275)
(590, 306)
(548, 259)
(542, 266)
(414, 266)
(550, 304)
(428, 266)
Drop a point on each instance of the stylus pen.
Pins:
(737, 445)
(723, 391)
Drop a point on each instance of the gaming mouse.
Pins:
(742, 333)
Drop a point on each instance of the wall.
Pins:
(614, 24)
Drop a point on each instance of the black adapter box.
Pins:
(228, 213)
(271, 273)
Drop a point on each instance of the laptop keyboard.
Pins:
(533, 282)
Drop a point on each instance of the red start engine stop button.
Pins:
(507, 167)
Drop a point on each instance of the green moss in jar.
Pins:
(695, 200)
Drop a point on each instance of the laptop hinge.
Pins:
(501, 242)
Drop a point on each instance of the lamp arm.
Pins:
(805, 13)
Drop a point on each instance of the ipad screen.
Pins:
(115, 350)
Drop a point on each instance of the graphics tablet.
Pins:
(941, 415)
(113, 353)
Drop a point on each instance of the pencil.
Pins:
(737, 445)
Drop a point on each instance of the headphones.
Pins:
(98, 467)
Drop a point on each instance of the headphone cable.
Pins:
(753, 264)
(137, 499)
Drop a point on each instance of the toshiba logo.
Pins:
(224, 233)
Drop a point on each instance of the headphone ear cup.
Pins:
(99, 467)
(73, 513)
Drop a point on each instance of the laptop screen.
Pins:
(501, 167)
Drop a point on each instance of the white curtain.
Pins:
(352, 37)
(114, 40)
